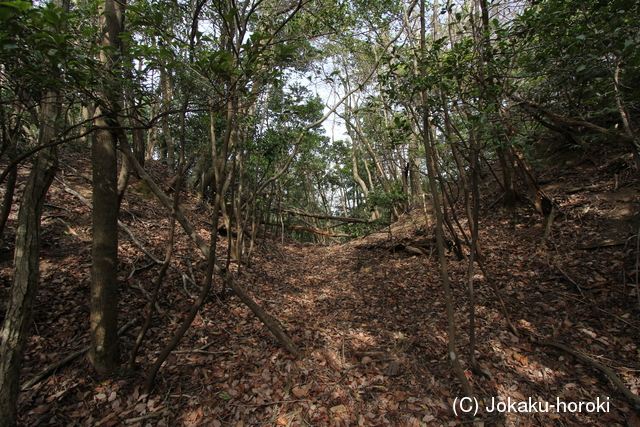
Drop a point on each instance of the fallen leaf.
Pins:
(338, 409)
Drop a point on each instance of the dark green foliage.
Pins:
(577, 46)
(43, 49)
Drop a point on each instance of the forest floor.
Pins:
(369, 314)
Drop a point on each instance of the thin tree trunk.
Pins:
(415, 182)
(196, 175)
(152, 136)
(474, 221)
(204, 248)
(507, 179)
(443, 265)
(138, 138)
(159, 279)
(7, 198)
(626, 121)
(167, 95)
(431, 168)
(123, 178)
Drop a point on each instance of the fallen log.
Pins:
(309, 229)
(335, 218)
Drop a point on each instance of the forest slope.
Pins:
(369, 315)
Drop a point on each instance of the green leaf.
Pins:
(8, 9)
(21, 6)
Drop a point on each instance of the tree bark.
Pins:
(7, 199)
(430, 157)
(103, 352)
(104, 286)
(167, 96)
(26, 270)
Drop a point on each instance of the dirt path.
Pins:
(369, 315)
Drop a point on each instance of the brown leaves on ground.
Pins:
(370, 319)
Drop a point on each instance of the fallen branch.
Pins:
(560, 120)
(599, 366)
(52, 367)
(331, 217)
(266, 319)
(605, 244)
(571, 280)
(309, 229)
(144, 417)
(200, 350)
(594, 187)
(126, 230)
(279, 402)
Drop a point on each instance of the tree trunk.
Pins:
(103, 352)
(430, 157)
(104, 286)
(204, 248)
(7, 199)
(414, 170)
(196, 174)
(626, 120)
(161, 275)
(167, 95)
(123, 179)
(26, 268)
(138, 140)
(137, 134)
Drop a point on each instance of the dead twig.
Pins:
(604, 244)
(570, 279)
(200, 350)
(585, 302)
(126, 230)
(148, 296)
(52, 367)
(599, 366)
(144, 417)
